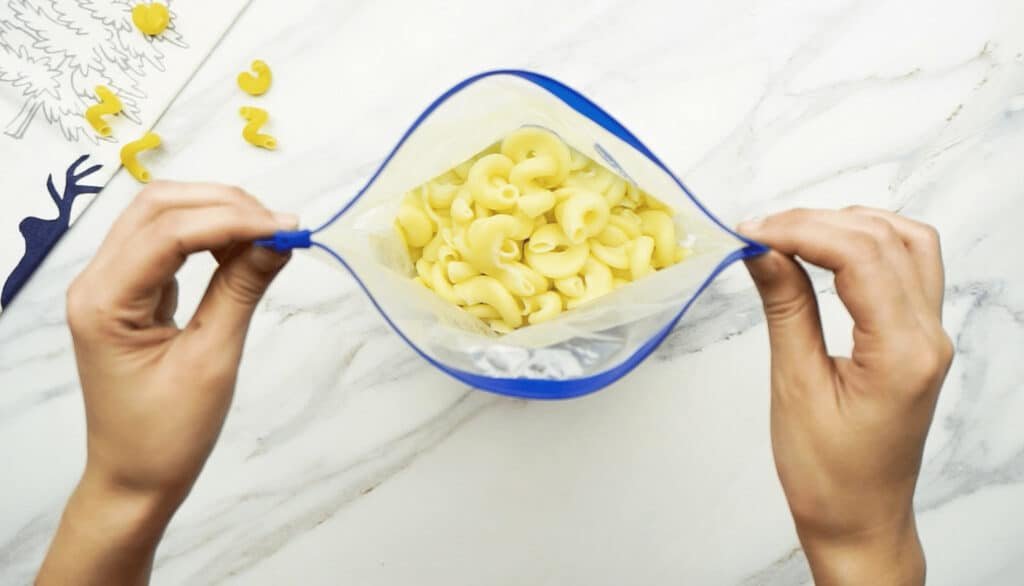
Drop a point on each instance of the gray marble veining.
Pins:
(347, 459)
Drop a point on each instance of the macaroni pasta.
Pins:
(530, 228)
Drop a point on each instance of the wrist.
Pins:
(888, 555)
(107, 535)
(135, 518)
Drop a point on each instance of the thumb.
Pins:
(791, 310)
(237, 286)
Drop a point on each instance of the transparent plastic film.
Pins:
(581, 349)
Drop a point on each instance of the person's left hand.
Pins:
(156, 394)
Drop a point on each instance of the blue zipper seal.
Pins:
(285, 240)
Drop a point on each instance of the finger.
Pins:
(895, 254)
(223, 255)
(922, 242)
(865, 280)
(161, 196)
(223, 316)
(791, 309)
(167, 304)
(159, 250)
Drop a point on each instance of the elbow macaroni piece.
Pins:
(640, 257)
(151, 18)
(488, 290)
(537, 144)
(108, 104)
(548, 306)
(488, 182)
(130, 153)
(257, 117)
(529, 228)
(256, 85)
(658, 225)
(582, 214)
(550, 253)
(415, 225)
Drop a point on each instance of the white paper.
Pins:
(53, 53)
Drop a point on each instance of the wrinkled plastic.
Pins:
(583, 349)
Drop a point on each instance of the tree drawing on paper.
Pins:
(55, 52)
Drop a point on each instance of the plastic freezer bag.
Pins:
(583, 349)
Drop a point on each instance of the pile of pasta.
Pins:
(530, 228)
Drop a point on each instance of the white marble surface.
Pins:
(347, 460)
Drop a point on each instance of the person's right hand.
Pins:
(848, 433)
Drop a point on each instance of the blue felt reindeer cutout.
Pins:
(40, 234)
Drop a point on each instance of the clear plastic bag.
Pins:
(582, 350)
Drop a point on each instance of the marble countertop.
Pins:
(346, 459)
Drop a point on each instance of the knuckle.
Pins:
(786, 309)
(799, 214)
(236, 196)
(163, 229)
(928, 236)
(77, 303)
(945, 350)
(85, 307)
(167, 230)
(859, 209)
(235, 193)
(151, 193)
(934, 357)
(790, 218)
(882, 231)
(243, 288)
(866, 248)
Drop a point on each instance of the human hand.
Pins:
(156, 395)
(848, 433)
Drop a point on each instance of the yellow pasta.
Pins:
(439, 283)
(616, 192)
(529, 228)
(424, 270)
(592, 177)
(571, 286)
(597, 279)
(459, 271)
(499, 327)
(484, 289)
(614, 256)
(488, 182)
(627, 221)
(487, 238)
(548, 306)
(256, 119)
(640, 256)
(583, 214)
(532, 143)
(461, 211)
(550, 253)
(483, 311)
(415, 224)
(130, 153)
(536, 203)
(658, 225)
(440, 195)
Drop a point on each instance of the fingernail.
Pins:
(286, 221)
(748, 227)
